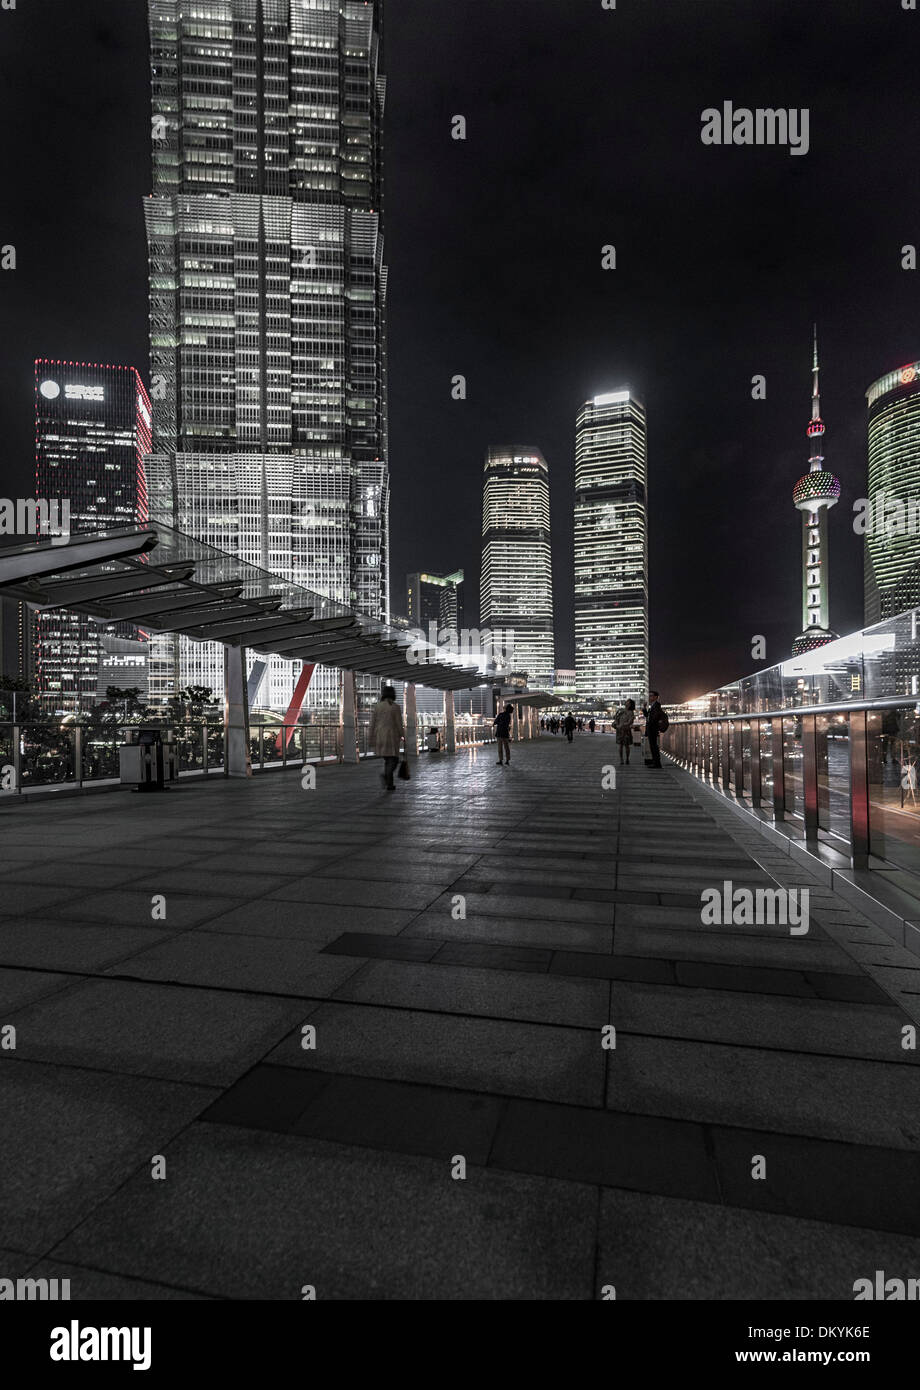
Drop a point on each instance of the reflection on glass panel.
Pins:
(47, 754)
(746, 758)
(833, 739)
(792, 765)
(100, 755)
(6, 749)
(894, 786)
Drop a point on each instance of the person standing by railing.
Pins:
(502, 724)
(656, 721)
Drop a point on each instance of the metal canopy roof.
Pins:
(538, 699)
(166, 581)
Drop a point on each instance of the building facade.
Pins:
(92, 436)
(17, 640)
(892, 537)
(611, 549)
(267, 300)
(516, 587)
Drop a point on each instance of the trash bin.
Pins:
(148, 762)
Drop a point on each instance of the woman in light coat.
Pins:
(624, 724)
(386, 733)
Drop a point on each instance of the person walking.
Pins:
(623, 723)
(386, 733)
(502, 724)
(591, 725)
(569, 727)
(656, 721)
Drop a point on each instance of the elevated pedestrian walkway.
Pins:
(371, 1038)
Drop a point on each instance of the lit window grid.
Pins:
(611, 552)
(894, 468)
(91, 454)
(256, 349)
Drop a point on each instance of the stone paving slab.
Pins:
(828, 1097)
(317, 923)
(519, 931)
(482, 1054)
(71, 1137)
(484, 993)
(59, 945)
(754, 1020)
(21, 987)
(257, 964)
(354, 1223)
(138, 1029)
(664, 1248)
(96, 1286)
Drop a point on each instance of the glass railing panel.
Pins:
(894, 786)
(792, 765)
(833, 761)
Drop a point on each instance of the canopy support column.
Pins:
(410, 719)
(237, 758)
(350, 753)
(450, 726)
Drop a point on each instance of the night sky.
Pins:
(583, 129)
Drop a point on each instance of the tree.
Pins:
(130, 697)
(193, 701)
(24, 704)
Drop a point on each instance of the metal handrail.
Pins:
(790, 711)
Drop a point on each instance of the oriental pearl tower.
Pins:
(813, 495)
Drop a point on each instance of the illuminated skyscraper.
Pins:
(267, 298)
(892, 545)
(611, 549)
(92, 433)
(516, 587)
(435, 598)
(814, 495)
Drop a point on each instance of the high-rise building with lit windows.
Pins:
(516, 586)
(92, 435)
(435, 598)
(267, 299)
(892, 541)
(611, 549)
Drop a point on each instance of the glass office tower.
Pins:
(267, 299)
(435, 598)
(516, 587)
(92, 434)
(892, 537)
(611, 549)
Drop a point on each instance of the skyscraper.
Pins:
(92, 434)
(267, 298)
(814, 495)
(516, 587)
(892, 544)
(611, 549)
(435, 598)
